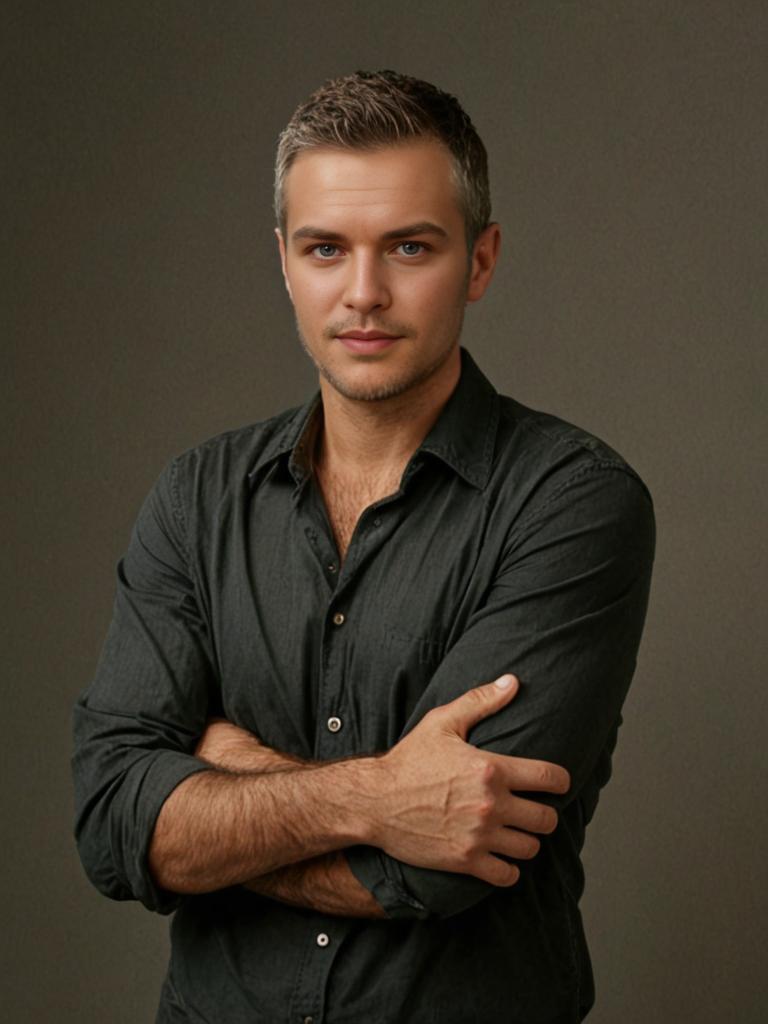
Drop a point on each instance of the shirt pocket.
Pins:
(407, 665)
(426, 650)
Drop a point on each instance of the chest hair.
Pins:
(345, 501)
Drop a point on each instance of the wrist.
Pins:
(362, 782)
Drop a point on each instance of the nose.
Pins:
(366, 288)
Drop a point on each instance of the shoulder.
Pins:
(523, 429)
(547, 467)
(240, 447)
(542, 445)
(217, 469)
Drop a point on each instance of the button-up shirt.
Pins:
(516, 542)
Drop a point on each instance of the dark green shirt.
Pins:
(516, 542)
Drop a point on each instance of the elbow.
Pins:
(99, 865)
(116, 867)
(118, 793)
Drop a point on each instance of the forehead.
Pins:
(409, 182)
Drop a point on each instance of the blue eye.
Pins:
(417, 246)
(325, 246)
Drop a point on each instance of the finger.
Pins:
(496, 871)
(524, 773)
(513, 843)
(518, 813)
(461, 714)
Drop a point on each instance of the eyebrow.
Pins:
(422, 227)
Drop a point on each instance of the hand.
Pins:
(447, 804)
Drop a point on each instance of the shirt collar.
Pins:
(463, 436)
(291, 439)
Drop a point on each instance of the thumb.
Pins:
(478, 703)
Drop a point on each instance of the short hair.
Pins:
(371, 109)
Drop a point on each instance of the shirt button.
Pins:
(334, 724)
(332, 567)
(309, 1020)
(377, 521)
(338, 619)
(322, 939)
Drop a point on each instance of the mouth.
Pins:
(367, 342)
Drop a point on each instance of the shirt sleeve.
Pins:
(136, 727)
(565, 614)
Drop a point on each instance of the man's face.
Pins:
(374, 246)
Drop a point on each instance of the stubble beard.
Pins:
(392, 388)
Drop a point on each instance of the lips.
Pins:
(367, 342)
(367, 335)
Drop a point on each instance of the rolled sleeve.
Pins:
(380, 875)
(136, 727)
(565, 614)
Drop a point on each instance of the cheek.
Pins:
(432, 291)
(313, 290)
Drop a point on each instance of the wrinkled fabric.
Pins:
(516, 542)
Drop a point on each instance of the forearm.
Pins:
(324, 883)
(230, 748)
(218, 828)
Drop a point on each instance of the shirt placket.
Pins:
(334, 736)
(324, 939)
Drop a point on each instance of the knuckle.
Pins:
(485, 809)
(485, 769)
(466, 855)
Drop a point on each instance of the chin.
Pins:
(375, 381)
(368, 391)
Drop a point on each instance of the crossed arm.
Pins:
(565, 612)
(433, 800)
(323, 883)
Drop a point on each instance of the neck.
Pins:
(370, 438)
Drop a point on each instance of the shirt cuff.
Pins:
(376, 871)
(441, 894)
(164, 775)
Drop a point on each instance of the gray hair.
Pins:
(371, 109)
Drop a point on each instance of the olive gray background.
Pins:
(144, 311)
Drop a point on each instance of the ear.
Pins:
(281, 247)
(484, 256)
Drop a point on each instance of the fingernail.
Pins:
(504, 682)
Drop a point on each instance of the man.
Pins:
(291, 739)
